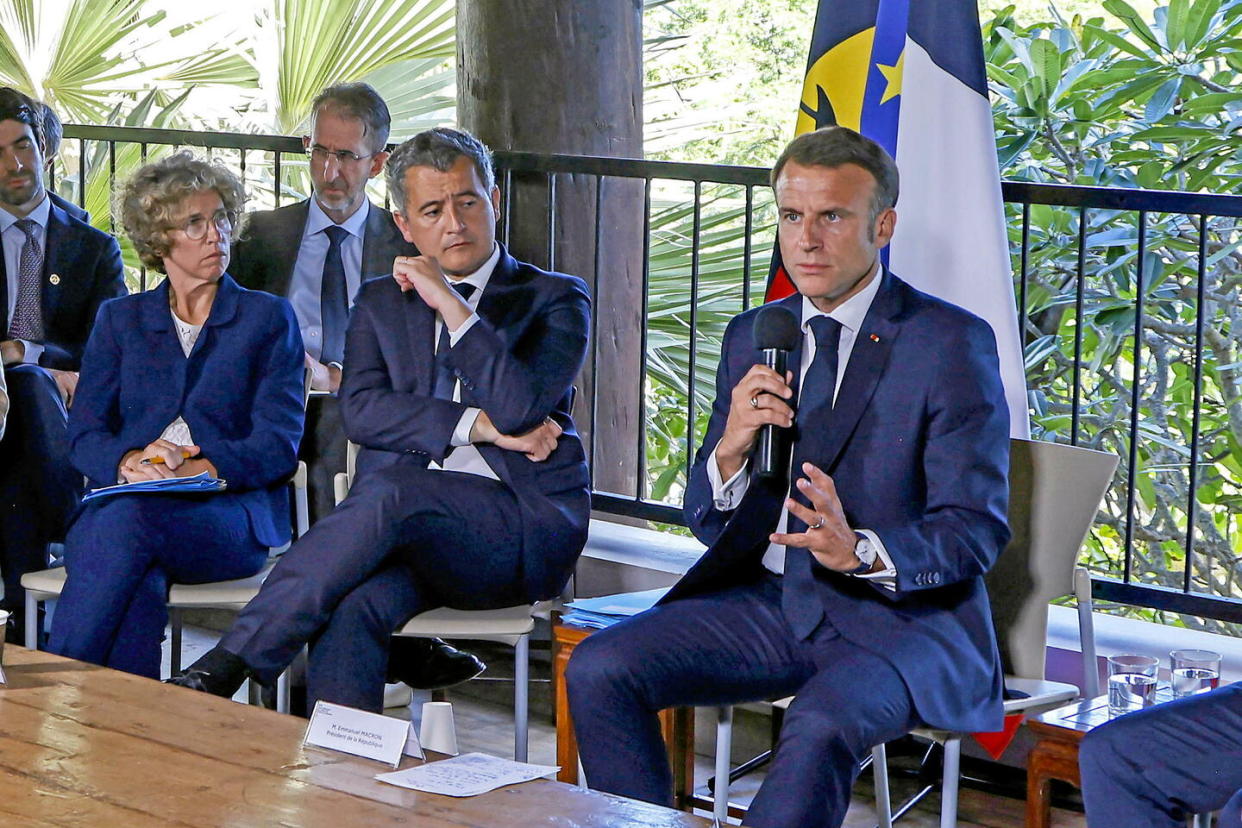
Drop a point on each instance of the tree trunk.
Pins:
(565, 76)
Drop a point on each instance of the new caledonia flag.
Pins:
(909, 74)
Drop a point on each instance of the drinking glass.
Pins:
(1193, 671)
(1131, 683)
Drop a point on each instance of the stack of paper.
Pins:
(170, 485)
(468, 775)
(607, 610)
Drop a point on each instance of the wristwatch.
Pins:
(865, 551)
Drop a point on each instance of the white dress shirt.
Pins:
(727, 494)
(466, 456)
(306, 286)
(178, 431)
(14, 239)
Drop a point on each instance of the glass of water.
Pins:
(1131, 683)
(1193, 671)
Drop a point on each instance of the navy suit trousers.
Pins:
(724, 648)
(38, 486)
(1154, 767)
(406, 540)
(123, 552)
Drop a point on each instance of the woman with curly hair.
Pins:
(195, 375)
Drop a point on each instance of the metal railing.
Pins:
(1065, 245)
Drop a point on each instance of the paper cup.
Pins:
(437, 732)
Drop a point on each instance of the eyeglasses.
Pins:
(196, 228)
(320, 155)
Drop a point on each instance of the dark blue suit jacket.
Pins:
(265, 256)
(240, 391)
(918, 447)
(86, 264)
(518, 363)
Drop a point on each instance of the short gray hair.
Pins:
(361, 102)
(152, 199)
(836, 146)
(438, 148)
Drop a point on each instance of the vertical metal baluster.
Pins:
(551, 221)
(276, 171)
(1076, 393)
(1024, 272)
(1132, 459)
(594, 401)
(82, 173)
(111, 182)
(641, 484)
(1192, 507)
(694, 323)
(746, 249)
(142, 269)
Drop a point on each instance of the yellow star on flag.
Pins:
(892, 74)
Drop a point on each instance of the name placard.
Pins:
(357, 732)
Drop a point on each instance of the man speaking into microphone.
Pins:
(859, 587)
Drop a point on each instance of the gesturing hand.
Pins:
(757, 400)
(828, 535)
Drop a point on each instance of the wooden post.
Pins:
(565, 76)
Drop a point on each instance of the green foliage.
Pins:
(1148, 103)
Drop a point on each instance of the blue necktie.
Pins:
(27, 321)
(333, 298)
(799, 600)
(445, 380)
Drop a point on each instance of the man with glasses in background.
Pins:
(55, 272)
(317, 253)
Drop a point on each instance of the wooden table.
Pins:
(677, 723)
(1055, 755)
(85, 745)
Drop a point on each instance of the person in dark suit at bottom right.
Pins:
(1155, 767)
(860, 588)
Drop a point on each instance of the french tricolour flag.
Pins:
(910, 75)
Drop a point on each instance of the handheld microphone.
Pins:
(776, 333)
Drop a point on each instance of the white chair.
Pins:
(47, 584)
(508, 625)
(1054, 492)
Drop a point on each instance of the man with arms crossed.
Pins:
(859, 588)
(317, 253)
(472, 487)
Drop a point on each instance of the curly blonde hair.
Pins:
(151, 201)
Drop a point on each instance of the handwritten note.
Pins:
(467, 775)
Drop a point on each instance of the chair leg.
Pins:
(32, 621)
(724, 747)
(282, 692)
(952, 776)
(883, 801)
(521, 694)
(174, 623)
(1201, 821)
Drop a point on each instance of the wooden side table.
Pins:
(1058, 733)
(677, 724)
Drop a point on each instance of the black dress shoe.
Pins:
(430, 664)
(218, 672)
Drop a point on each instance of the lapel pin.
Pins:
(875, 338)
(54, 279)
